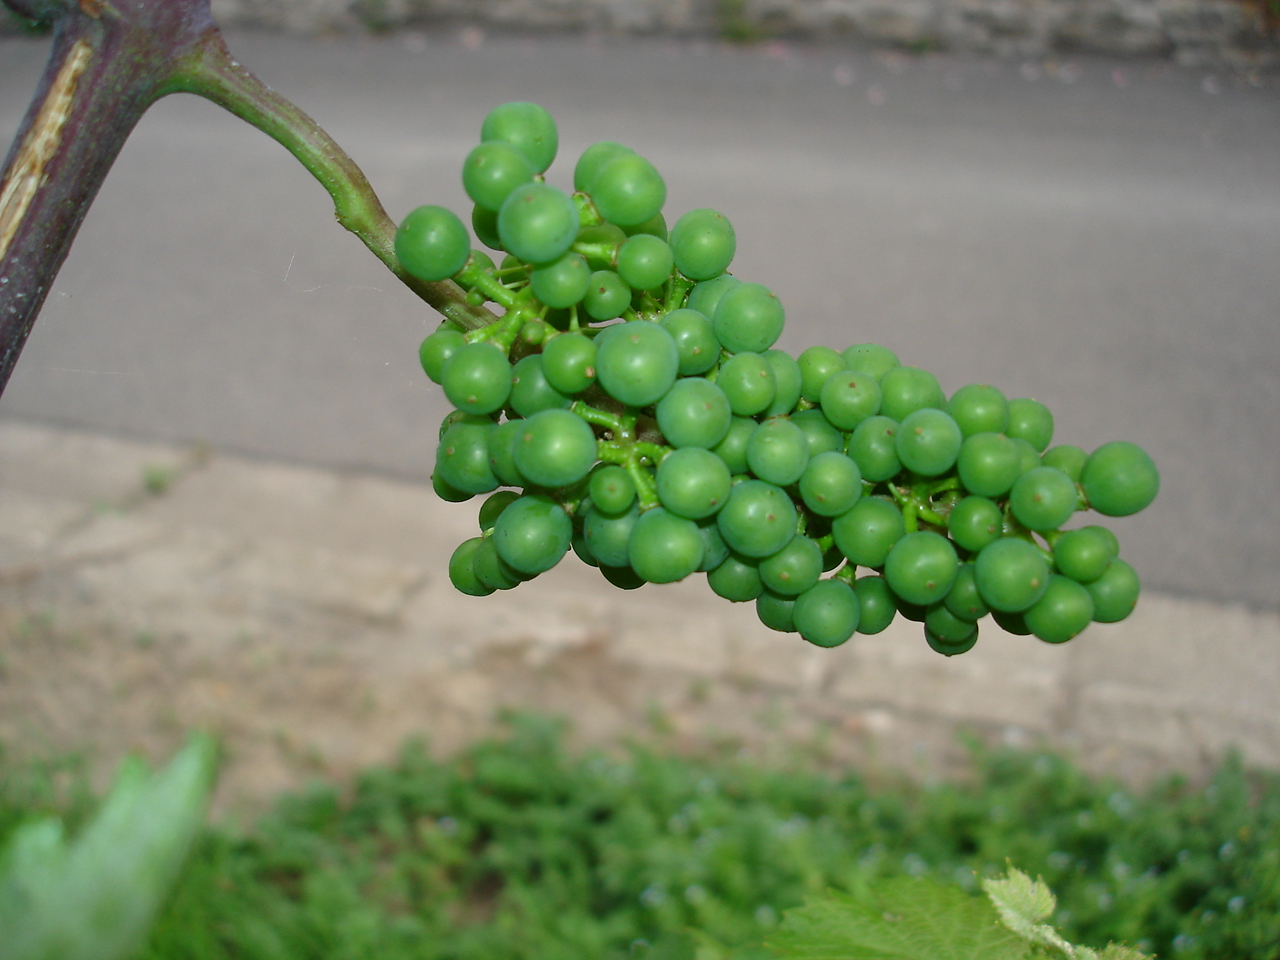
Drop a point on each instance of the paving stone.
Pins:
(32, 522)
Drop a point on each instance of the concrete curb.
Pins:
(305, 615)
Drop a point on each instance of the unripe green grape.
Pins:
(705, 296)
(737, 579)
(627, 190)
(562, 282)
(578, 544)
(704, 243)
(928, 442)
(636, 362)
(1083, 554)
(873, 446)
(1067, 458)
(868, 530)
(1115, 593)
(822, 436)
(914, 612)
(964, 599)
(1030, 420)
(492, 170)
(569, 362)
(921, 567)
(1028, 456)
(817, 364)
(905, 390)
(624, 578)
(1043, 499)
(555, 448)
(794, 568)
(775, 611)
(491, 570)
(644, 262)
(748, 318)
(778, 452)
(988, 464)
(493, 506)
(847, 398)
(537, 223)
(609, 535)
(1013, 623)
(747, 380)
(533, 534)
(870, 358)
(694, 413)
(655, 226)
(733, 448)
(974, 522)
(946, 626)
(692, 482)
(527, 127)
(876, 609)
(502, 453)
(1119, 479)
(695, 340)
(1011, 574)
(461, 573)
(979, 408)
(446, 491)
(831, 484)
(1063, 612)
(477, 378)
(485, 224)
(437, 349)
(531, 392)
(462, 459)
(431, 243)
(951, 648)
(607, 296)
(611, 489)
(758, 519)
(786, 382)
(827, 614)
(664, 548)
(592, 159)
(714, 550)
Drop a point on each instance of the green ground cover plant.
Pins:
(521, 848)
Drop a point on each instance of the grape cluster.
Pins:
(631, 406)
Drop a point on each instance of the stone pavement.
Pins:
(305, 616)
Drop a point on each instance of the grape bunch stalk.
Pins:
(628, 405)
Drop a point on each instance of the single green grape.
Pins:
(611, 488)
(873, 446)
(477, 378)
(905, 390)
(636, 362)
(694, 413)
(703, 243)
(462, 459)
(736, 579)
(868, 530)
(1064, 610)
(733, 448)
(446, 491)
(609, 535)
(527, 127)
(624, 578)
(492, 170)
(1028, 456)
(758, 520)
(748, 318)
(714, 550)
(793, 569)
(988, 464)
(870, 358)
(485, 224)
(555, 448)
(592, 159)
(817, 365)
(537, 223)
(831, 484)
(1066, 457)
(775, 611)
(1119, 479)
(432, 244)
(533, 534)
(705, 296)
(786, 382)
(876, 608)
(502, 453)
(491, 570)
(951, 648)
(664, 548)
(748, 381)
(847, 398)
(692, 482)
(974, 522)
(627, 190)
(436, 350)
(655, 226)
(778, 452)
(695, 340)
(562, 282)
(1083, 554)
(827, 614)
(644, 262)
(1011, 574)
(531, 392)
(964, 600)
(979, 408)
(1014, 623)
(1115, 593)
(1043, 499)
(921, 567)
(1032, 421)
(822, 436)
(569, 362)
(928, 441)
(946, 626)
(607, 296)
(493, 506)
(461, 572)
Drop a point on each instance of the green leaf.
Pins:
(1119, 951)
(899, 919)
(1022, 903)
(95, 898)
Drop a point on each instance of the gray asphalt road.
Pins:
(1104, 236)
